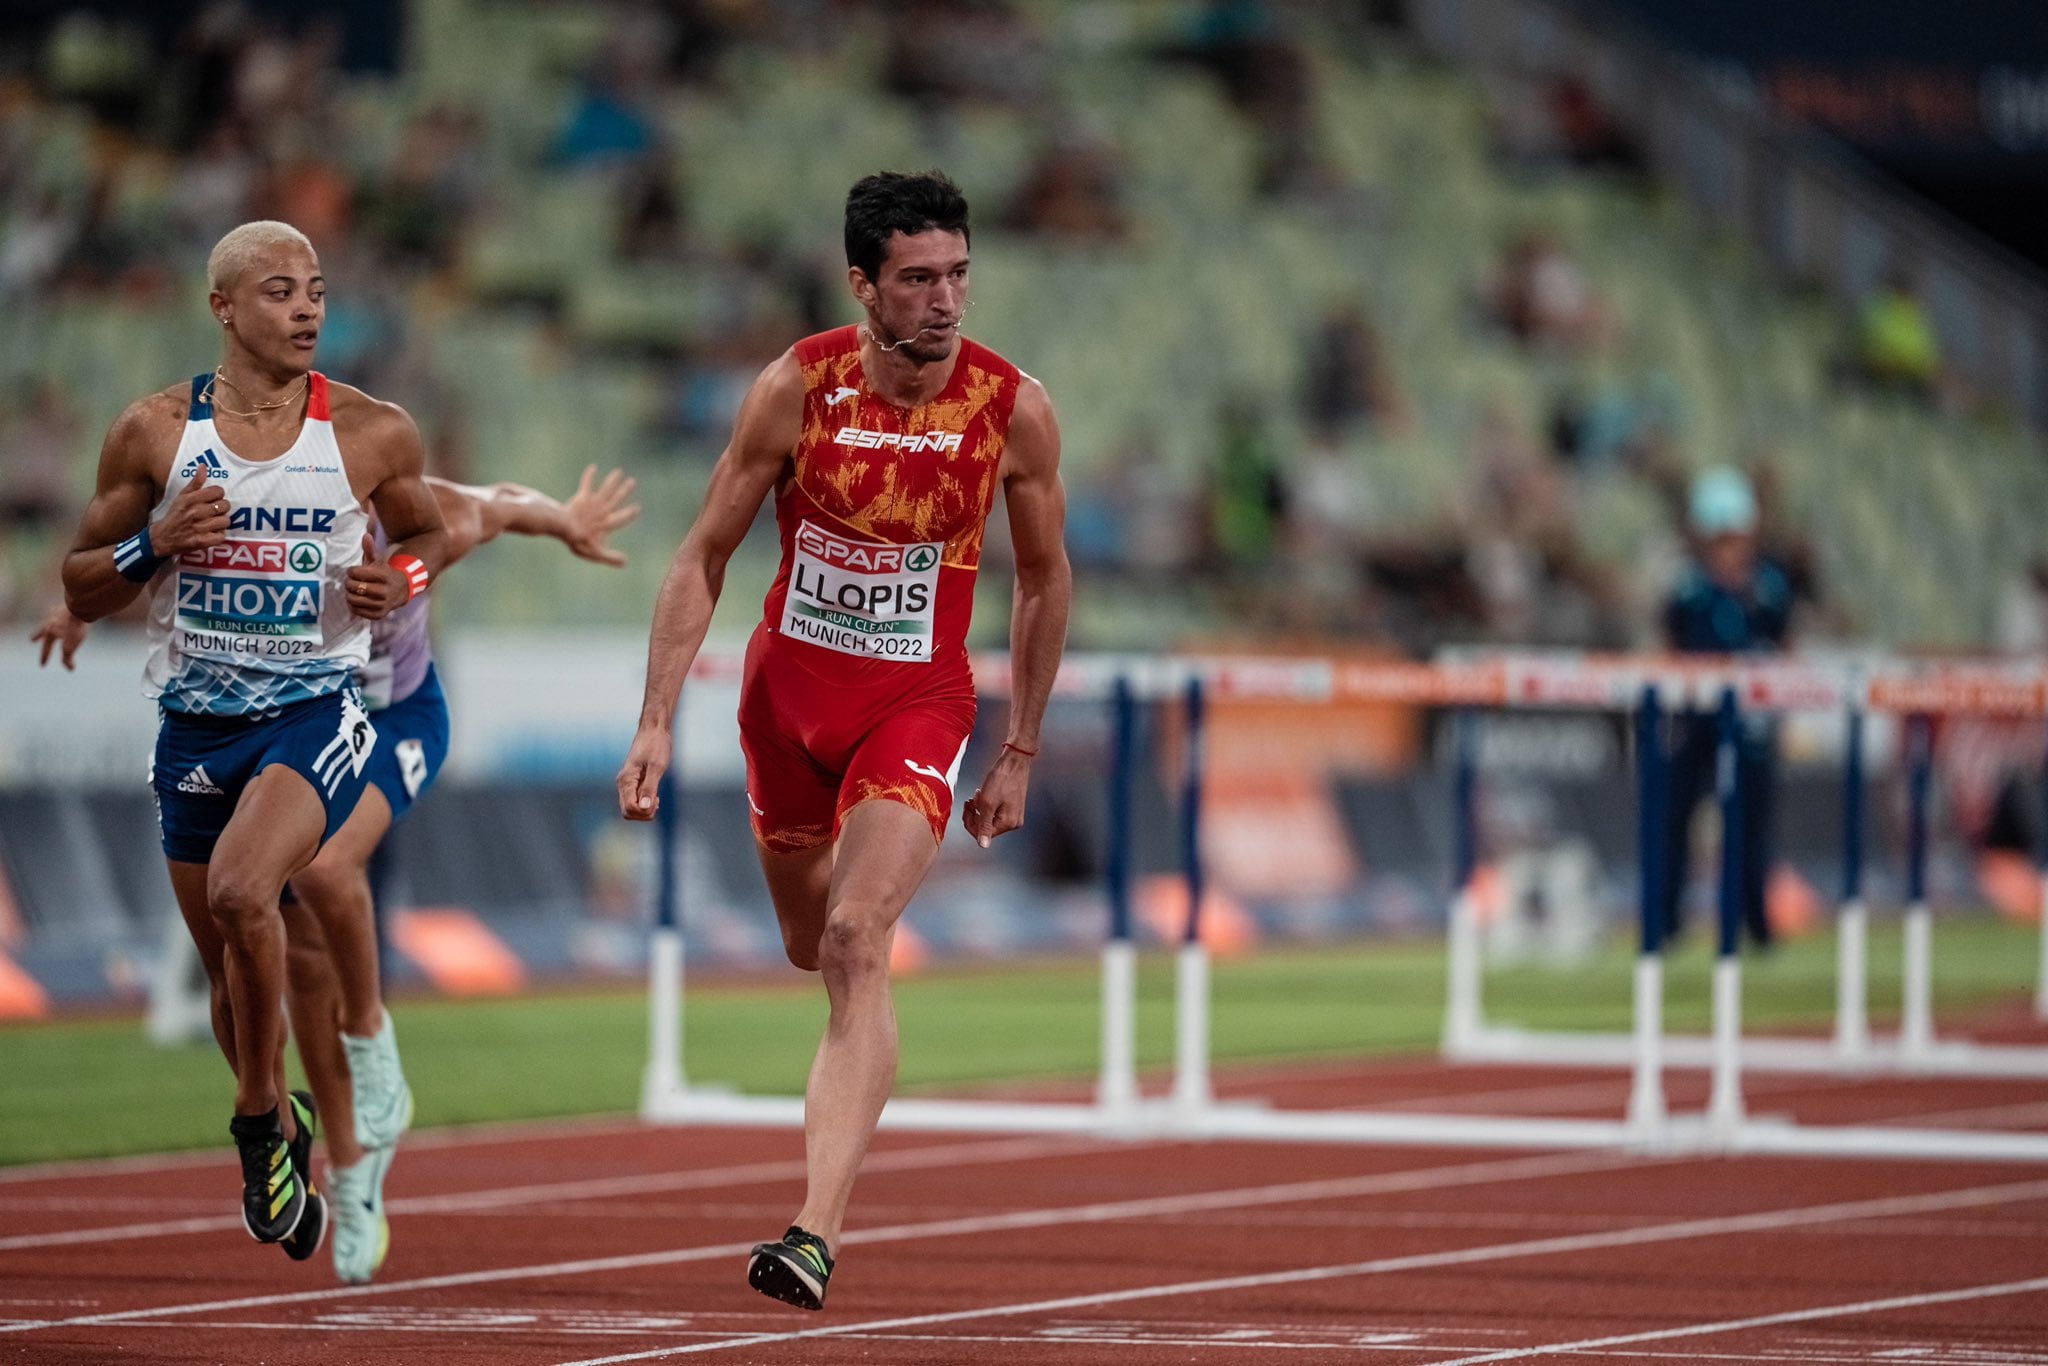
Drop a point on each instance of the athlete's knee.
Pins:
(242, 907)
(329, 888)
(855, 942)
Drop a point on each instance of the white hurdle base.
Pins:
(1760, 1053)
(1165, 1119)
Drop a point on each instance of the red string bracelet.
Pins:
(1027, 753)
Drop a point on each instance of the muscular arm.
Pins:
(124, 496)
(406, 507)
(1037, 503)
(474, 515)
(766, 431)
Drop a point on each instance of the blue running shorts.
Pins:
(412, 744)
(202, 763)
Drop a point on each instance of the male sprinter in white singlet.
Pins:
(344, 1034)
(238, 500)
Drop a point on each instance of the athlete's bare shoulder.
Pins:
(772, 414)
(1034, 429)
(154, 416)
(357, 414)
(374, 429)
(147, 431)
(782, 380)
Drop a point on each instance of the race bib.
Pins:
(357, 730)
(250, 601)
(860, 598)
(412, 766)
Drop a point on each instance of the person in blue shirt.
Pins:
(1730, 600)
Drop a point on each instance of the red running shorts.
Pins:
(816, 747)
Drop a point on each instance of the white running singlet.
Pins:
(261, 620)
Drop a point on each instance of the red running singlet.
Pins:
(857, 683)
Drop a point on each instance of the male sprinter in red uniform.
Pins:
(884, 444)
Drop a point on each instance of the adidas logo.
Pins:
(199, 785)
(205, 460)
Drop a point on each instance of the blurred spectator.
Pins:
(1590, 137)
(1129, 515)
(107, 245)
(1729, 601)
(1517, 509)
(1246, 47)
(419, 210)
(1422, 589)
(216, 187)
(1247, 492)
(612, 122)
(34, 246)
(1991, 768)
(1330, 503)
(307, 188)
(1602, 421)
(2023, 611)
(1783, 542)
(651, 211)
(755, 296)
(942, 51)
(41, 440)
(1539, 293)
(1546, 123)
(1350, 384)
(200, 81)
(363, 339)
(1896, 348)
(1073, 191)
(1252, 49)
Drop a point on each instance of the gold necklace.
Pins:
(218, 378)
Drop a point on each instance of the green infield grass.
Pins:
(90, 1087)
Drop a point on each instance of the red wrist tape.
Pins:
(415, 574)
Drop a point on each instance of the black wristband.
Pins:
(136, 559)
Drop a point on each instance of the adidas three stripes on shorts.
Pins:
(202, 764)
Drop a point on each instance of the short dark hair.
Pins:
(881, 205)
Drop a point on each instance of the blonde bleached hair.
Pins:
(237, 251)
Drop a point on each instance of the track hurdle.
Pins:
(1914, 692)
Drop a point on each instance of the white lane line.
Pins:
(452, 1135)
(1826, 1311)
(1407, 1349)
(1428, 1178)
(1761, 1221)
(165, 1228)
(601, 1187)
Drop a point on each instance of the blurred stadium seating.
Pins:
(563, 233)
(490, 274)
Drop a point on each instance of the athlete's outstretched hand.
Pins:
(640, 778)
(375, 589)
(196, 519)
(592, 514)
(60, 628)
(997, 806)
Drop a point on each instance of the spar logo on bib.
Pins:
(860, 598)
(255, 557)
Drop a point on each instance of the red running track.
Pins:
(610, 1242)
